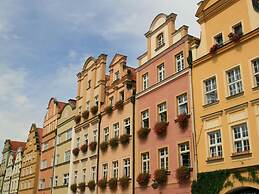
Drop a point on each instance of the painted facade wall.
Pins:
(14, 185)
(117, 123)
(150, 96)
(63, 156)
(31, 162)
(227, 114)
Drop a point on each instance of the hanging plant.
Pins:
(129, 84)
(143, 133)
(73, 187)
(124, 139)
(104, 146)
(161, 128)
(113, 182)
(75, 151)
(143, 179)
(94, 110)
(92, 146)
(119, 105)
(124, 182)
(77, 119)
(102, 184)
(183, 175)
(108, 110)
(235, 37)
(81, 186)
(91, 185)
(182, 120)
(160, 176)
(114, 142)
(83, 148)
(85, 114)
(214, 49)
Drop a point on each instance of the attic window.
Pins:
(117, 76)
(160, 40)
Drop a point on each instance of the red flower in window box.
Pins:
(92, 146)
(161, 128)
(160, 176)
(75, 151)
(183, 175)
(143, 133)
(102, 184)
(77, 119)
(235, 37)
(113, 182)
(104, 146)
(214, 49)
(124, 182)
(83, 148)
(183, 120)
(143, 179)
(124, 139)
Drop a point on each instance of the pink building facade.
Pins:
(164, 133)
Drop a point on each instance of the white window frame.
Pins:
(58, 139)
(210, 90)
(215, 39)
(115, 169)
(163, 158)
(145, 162)
(96, 101)
(241, 130)
(93, 172)
(106, 134)
(88, 105)
(162, 109)
(184, 149)
(69, 134)
(77, 142)
(67, 156)
(116, 129)
(236, 81)
(145, 81)
(179, 59)
(182, 102)
(66, 179)
(105, 171)
(160, 40)
(161, 72)
(255, 67)
(127, 126)
(145, 119)
(215, 144)
(95, 135)
(126, 167)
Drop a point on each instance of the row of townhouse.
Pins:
(186, 120)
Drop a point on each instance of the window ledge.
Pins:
(215, 159)
(235, 96)
(241, 154)
(159, 47)
(210, 104)
(255, 88)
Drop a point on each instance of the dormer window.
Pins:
(160, 40)
(117, 76)
(238, 29)
(218, 39)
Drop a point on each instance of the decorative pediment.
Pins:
(117, 58)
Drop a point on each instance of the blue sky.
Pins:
(43, 45)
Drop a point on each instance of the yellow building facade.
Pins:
(226, 96)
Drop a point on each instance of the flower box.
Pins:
(160, 176)
(91, 185)
(119, 105)
(161, 128)
(108, 110)
(92, 146)
(94, 110)
(182, 120)
(75, 151)
(85, 114)
(84, 148)
(114, 142)
(77, 119)
(124, 182)
(124, 139)
(73, 187)
(102, 184)
(81, 186)
(143, 179)
(104, 146)
(143, 133)
(235, 37)
(113, 182)
(214, 49)
(183, 175)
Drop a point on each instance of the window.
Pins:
(241, 140)
(45, 146)
(105, 171)
(58, 139)
(96, 102)
(42, 184)
(234, 81)
(106, 134)
(67, 156)
(57, 159)
(89, 84)
(184, 154)
(77, 142)
(162, 112)
(69, 134)
(95, 135)
(145, 81)
(116, 130)
(160, 40)
(179, 62)
(93, 172)
(44, 164)
(66, 179)
(84, 174)
(182, 104)
(79, 109)
(215, 144)
(88, 105)
(55, 183)
(219, 39)
(145, 161)
(86, 139)
(111, 101)
(127, 126)
(163, 158)
(122, 95)
(255, 64)
(115, 169)
(210, 87)
(75, 177)
(117, 76)
(161, 72)
(145, 119)
(237, 29)
(126, 168)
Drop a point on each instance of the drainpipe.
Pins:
(98, 152)
(133, 142)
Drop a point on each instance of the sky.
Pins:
(43, 45)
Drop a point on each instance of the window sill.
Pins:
(214, 159)
(255, 88)
(210, 104)
(241, 154)
(235, 96)
(159, 47)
